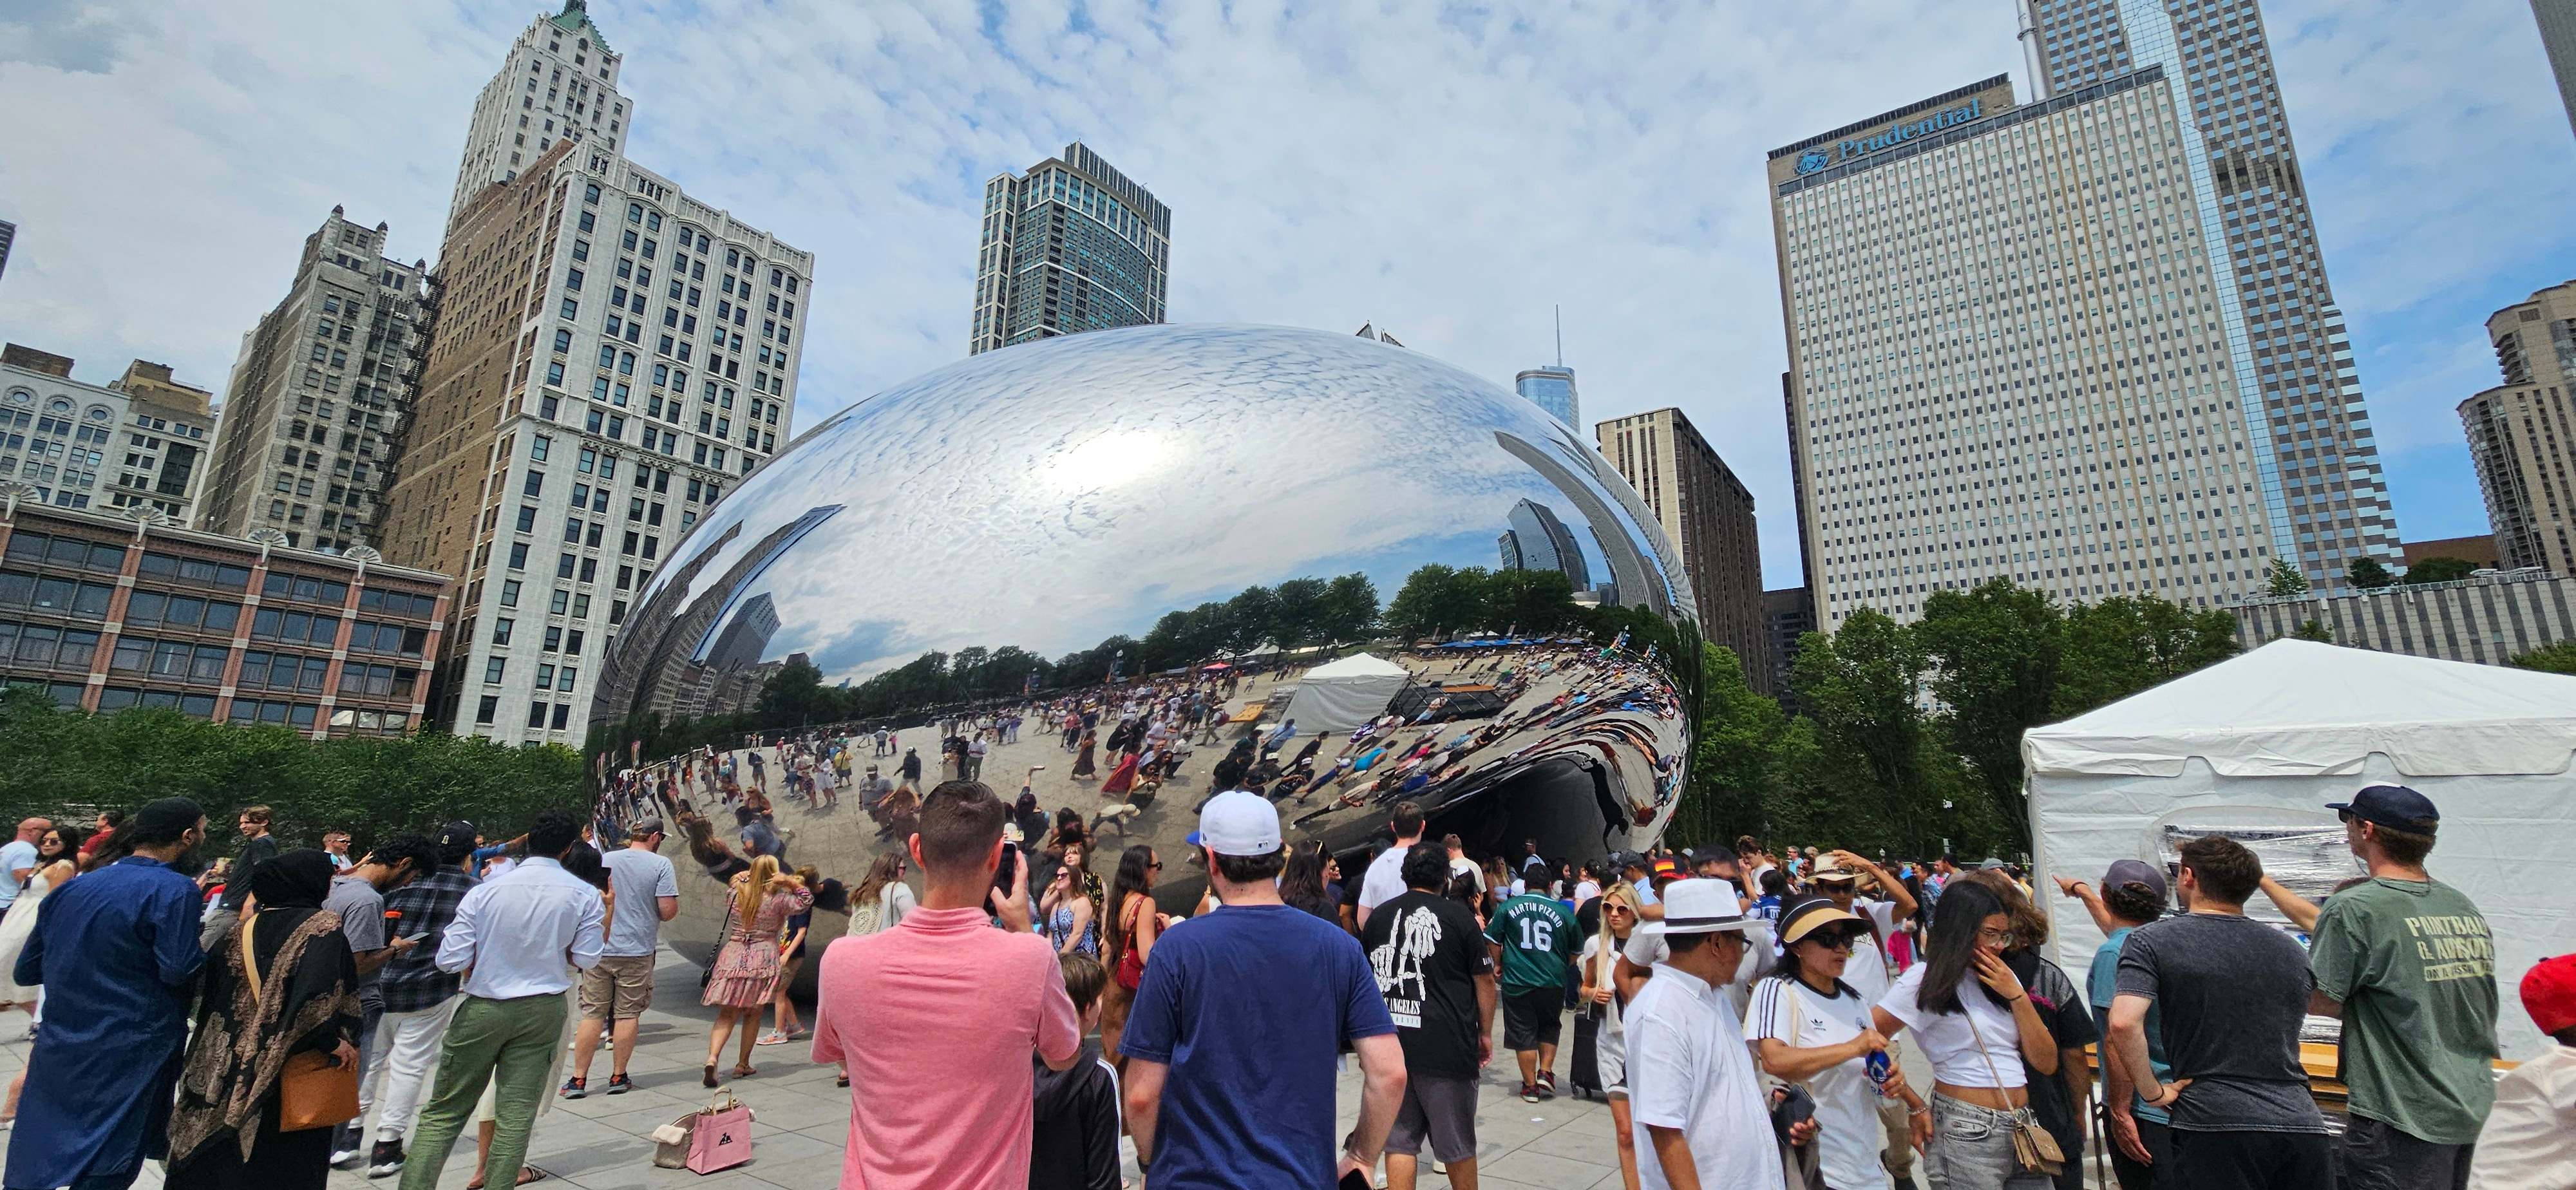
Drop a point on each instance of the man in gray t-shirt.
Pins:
(2231, 993)
(615, 993)
(357, 895)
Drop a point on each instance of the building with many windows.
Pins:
(319, 391)
(2522, 433)
(1071, 246)
(1707, 513)
(2315, 457)
(559, 83)
(1788, 615)
(2557, 20)
(1552, 388)
(2043, 369)
(106, 611)
(138, 441)
(606, 357)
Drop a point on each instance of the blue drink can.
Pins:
(1877, 1065)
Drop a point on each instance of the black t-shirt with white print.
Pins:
(1427, 952)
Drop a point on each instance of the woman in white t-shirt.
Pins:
(1972, 1018)
(1598, 963)
(1810, 1027)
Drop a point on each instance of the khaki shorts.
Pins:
(620, 988)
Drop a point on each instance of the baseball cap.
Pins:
(1992, 865)
(650, 824)
(1663, 868)
(1702, 907)
(456, 834)
(2549, 993)
(2393, 806)
(1803, 918)
(1237, 822)
(2133, 871)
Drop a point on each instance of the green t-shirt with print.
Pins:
(1538, 940)
(2413, 965)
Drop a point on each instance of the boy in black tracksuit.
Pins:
(1076, 1146)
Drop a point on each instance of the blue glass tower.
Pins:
(1552, 389)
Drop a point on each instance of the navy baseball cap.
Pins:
(2393, 806)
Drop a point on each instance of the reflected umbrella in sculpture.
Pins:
(1194, 510)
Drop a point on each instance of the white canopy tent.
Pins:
(1341, 695)
(2256, 746)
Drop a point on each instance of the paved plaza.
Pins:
(604, 1142)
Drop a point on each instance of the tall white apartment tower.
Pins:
(607, 357)
(560, 83)
(2008, 358)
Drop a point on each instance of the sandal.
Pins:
(709, 1080)
(842, 1081)
(744, 1072)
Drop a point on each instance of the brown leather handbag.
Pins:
(314, 1090)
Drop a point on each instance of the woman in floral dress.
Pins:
(745, 975)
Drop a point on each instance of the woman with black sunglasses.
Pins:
(1811, 1028)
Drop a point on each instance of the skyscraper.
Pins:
(559, 83)
(1537, 540)
(1707, 514)
(1072, 246)
(2027, 379)
(2325, 497)
(606, 355)
(8, 235)
(2558, 36)
(320, 389)
(1552, 388)
(2522, 433)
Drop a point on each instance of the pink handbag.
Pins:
(703, 1142)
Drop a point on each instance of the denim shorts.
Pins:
(1972, 1149)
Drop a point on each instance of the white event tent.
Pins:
(1341, 695)
(2257, 745)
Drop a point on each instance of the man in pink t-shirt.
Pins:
(937, 1016)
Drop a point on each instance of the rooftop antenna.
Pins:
(1560, 336)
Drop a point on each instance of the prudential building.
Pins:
(2082, 343)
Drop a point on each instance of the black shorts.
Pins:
(2252, 1160)
(2374, 1154)
(1532, 1017)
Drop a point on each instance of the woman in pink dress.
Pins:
(745, 976)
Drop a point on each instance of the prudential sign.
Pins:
(1828, 156)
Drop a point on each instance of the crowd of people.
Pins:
(1745, 1013)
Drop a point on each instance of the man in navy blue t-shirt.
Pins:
(1230, 1045)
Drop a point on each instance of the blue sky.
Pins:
(1449, 172)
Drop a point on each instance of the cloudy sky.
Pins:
(1451, 172)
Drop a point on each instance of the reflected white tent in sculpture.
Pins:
(2256, 747)
(1343, 694)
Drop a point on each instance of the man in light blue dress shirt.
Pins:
(522, 935)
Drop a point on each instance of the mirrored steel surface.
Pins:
(1054, 495)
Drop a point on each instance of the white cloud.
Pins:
(1451, 172)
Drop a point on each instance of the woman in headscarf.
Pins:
(282, 984)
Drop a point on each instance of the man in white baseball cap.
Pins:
(1232, 1040)
(1696, 1105)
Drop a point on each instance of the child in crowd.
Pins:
(1076, 1146)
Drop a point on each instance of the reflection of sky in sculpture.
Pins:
(1053, 494)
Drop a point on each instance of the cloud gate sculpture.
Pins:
(1123, 525)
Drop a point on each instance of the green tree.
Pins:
(1297, 612)
(1735, 759)
(1437, 601)
(2368, 574)
(2310, 629)
(2285, 579)
(1250, 616)
(1862, 688)
(2559, 658)
(1528, 601)
(2128, 643)
(2439, 570)
(1997, 650)
(793, 696)
(1350, 608)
